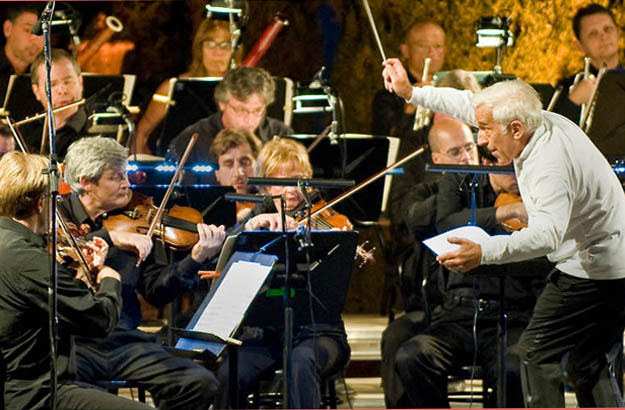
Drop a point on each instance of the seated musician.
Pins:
(424, 362)
(242, 96)
(236, 150)
(21, 47)
(66, 83)
(24, 283)
(318, 350)
(211, 52)
(451, 142)
(597, 36)
(7, 142)
(95, 168)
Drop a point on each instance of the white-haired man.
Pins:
(96, 171)
(576, 216)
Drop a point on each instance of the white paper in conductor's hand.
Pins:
(439, 244)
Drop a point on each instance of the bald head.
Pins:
(451, 142)
(423, 39)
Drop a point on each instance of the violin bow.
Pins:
(365, 4)
(170, 188)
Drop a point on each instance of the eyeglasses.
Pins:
(256, 112)
(457, 151)
(224, 45)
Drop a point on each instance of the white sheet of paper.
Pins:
(233, 296)
(439, 244)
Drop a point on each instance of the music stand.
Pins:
(191, 99)
(502, 331)
(366, 155)
(545, 92)
(332, 258)
(607, 128)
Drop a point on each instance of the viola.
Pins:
(514, 224)
(177, 227)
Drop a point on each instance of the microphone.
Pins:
(116, 106)
(256, 198)
(313, 183)
(46, 15)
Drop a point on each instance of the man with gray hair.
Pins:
(576, 217)
(242, 96)
(96, 171)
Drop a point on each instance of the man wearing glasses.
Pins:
(242, 96)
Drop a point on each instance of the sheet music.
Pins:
(439, 244)
(232, 297)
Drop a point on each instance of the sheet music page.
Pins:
(234, 294)
(439, 244)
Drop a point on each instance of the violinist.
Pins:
(236, 150)
(24, 283)
(318, 350)
(95, 169)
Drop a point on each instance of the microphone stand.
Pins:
(53, 175)
(287, 346)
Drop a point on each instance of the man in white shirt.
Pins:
(576, 216)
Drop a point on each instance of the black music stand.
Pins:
(607, 128)
(191, 99)
(365, 156)
(216, 308)
(331, 257)
(502, 328)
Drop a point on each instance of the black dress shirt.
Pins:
(453, 210)
(207, 128)
(74, 129)
(24, 340)
(156, 280)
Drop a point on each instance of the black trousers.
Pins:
(577, 321)
(424, 362)
(312, 359)
(73, 397)
(173, 382)
(396, 334)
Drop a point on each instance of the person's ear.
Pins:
(517, 129)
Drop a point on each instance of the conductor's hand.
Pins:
(211, 238)
(137, 242)
(463, 259)
(272, 222)
(396, 78)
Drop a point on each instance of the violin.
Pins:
(177, 226)
(323, 217)
(74, 252)
(514, 224)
